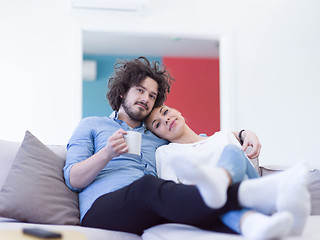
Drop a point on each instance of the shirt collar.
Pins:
(115, 116)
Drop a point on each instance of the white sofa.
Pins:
(10, 152)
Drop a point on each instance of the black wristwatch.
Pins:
(240, 136)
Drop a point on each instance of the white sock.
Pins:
(261, 194)
(258, 226)
(295, 198)
(212, 182)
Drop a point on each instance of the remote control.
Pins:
(41, 233)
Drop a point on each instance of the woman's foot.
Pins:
(294, 197)
(262, 194)
(211, 182)
(258, 226)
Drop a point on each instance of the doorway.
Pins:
(194, 62)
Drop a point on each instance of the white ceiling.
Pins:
(103, 43)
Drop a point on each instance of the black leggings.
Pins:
(150, 201)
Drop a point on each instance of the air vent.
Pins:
(134, 6)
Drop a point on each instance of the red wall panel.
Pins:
(195, 93)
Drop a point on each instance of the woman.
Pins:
(213, 163)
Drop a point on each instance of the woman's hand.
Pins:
(251, 139)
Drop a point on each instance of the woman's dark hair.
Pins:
(131, 73)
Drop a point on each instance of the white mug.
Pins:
(133, 140)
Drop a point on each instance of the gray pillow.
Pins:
(34, 190)
(314, 189)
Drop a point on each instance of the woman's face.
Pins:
(166, 123)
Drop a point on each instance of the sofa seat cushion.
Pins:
(181, 232)
(90, 233)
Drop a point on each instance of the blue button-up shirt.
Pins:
(90, 137)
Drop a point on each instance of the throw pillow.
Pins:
(34, 190)
(314, 189)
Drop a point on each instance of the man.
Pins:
(122, 193)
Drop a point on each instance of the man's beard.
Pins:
(138, 116)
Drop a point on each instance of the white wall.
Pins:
(277, 70)
(35, 74)
(273, 66)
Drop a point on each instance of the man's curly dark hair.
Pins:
(131, 73)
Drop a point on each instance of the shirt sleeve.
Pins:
(79, 148)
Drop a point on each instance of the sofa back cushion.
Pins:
(8, 151)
